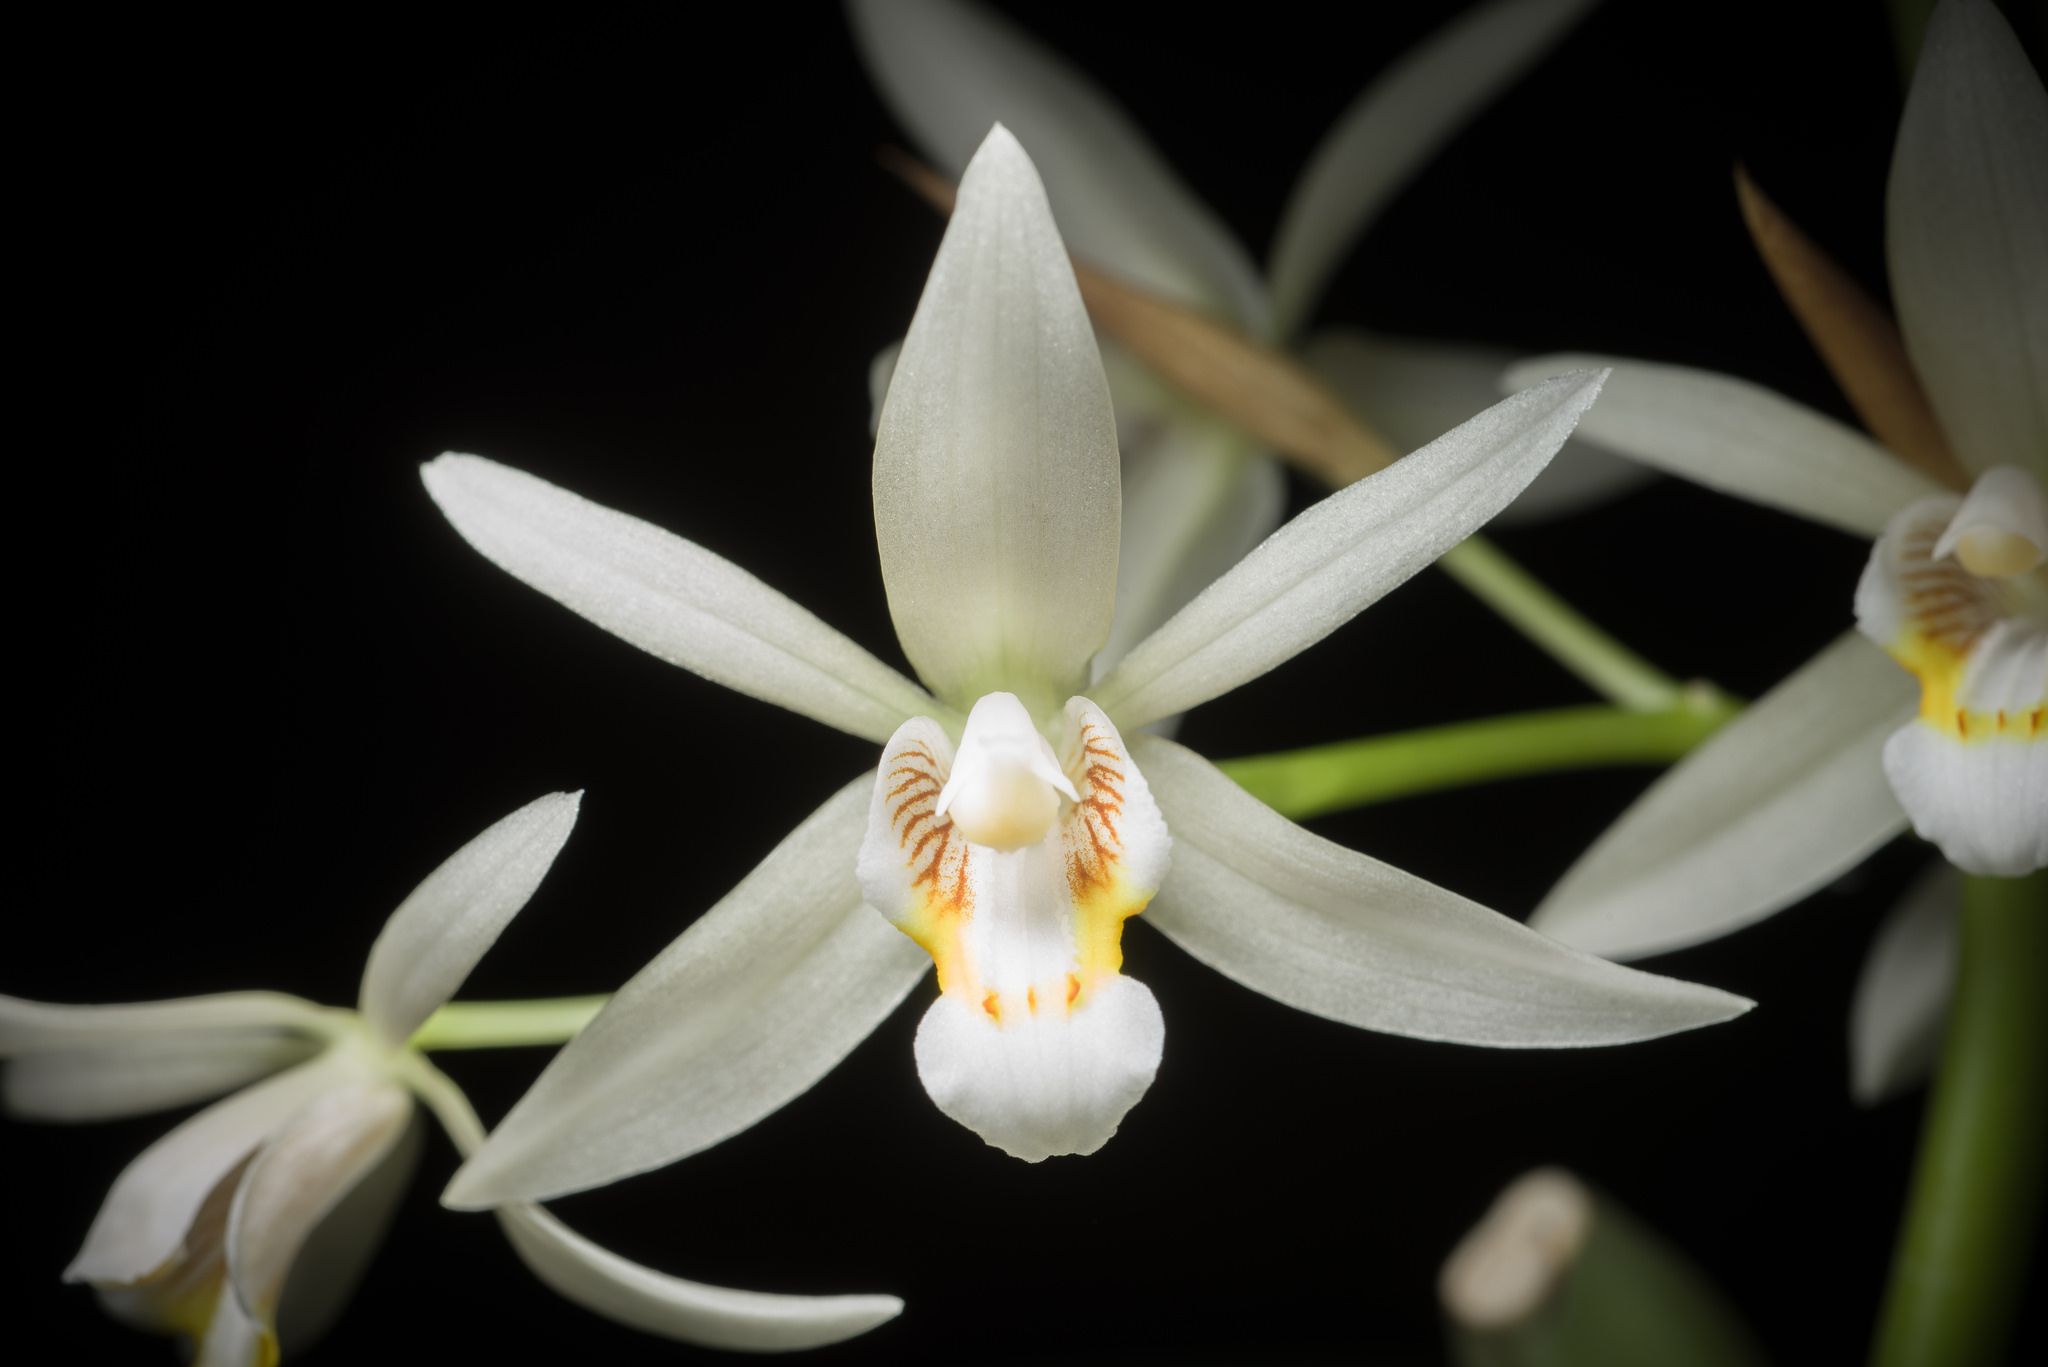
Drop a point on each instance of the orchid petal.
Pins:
(1778, 802)
(332, 1262)
(1324, 567)
(1050, 1083)
(27, 1027)
(672, 598)
(1902, 995)
(948, 71)
(329, 1145)
(1332, 932)
(437, 935)
(1411, 390)
(1739, 438)
(1966, 217)
(142, 1224)
(603, 1282)
(145, 1075)
(1392, 130)
(996, 494)
(747, 1009)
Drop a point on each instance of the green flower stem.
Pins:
(499, 1025)
(1959, 1273)
(1328, 778)
(1616, 672)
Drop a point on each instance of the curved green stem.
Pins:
(1327, 778)
(498, 1025)
(1616, 672)
(1959, 1273)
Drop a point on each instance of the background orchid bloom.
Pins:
(1198, 493)
(1013, 824)
(251, 1222)
(1841, 756)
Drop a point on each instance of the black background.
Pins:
(264, 268)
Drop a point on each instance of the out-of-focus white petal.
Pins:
(1329, 931)
(143, 1221)
(438, 934)
(28, 1026)
(1901, 1003)
(1392, 130)
(1739, 438)
(747, 1009)
(1051, 1082)
(233, 1338)
(1321, 569)
(1409, 391)
(996, 492)
(1777, 803)
(329, 1145)
(670, 597)
(601, 1281)
(2001, 529)
(1966, 219)
(342, 1246)
(145, 1075)
(948, 71)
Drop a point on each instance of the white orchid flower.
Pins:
(250, 1223)
(1836, 760)
(1198, 493)
(1013, 824)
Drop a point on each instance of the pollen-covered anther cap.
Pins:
(2001, 530)
(1005, 788)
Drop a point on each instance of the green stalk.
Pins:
(1611, 668)
(498, 1025)
(1328, 778)
(1959, 1272)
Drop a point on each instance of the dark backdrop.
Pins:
(267, 267)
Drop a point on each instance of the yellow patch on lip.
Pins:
(1947, 611)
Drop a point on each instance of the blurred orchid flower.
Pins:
(254, 1219)
(1198, 493)
(1013, 824)
(1836, 760)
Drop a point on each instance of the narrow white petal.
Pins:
(1966, 219)
(142, 1223)
(1779, 802)
(1047, 1083)
(748, 1008)
(437, 935)
(1902, 996)
(603, 1282)
(1321, 569)
(1392, 130)
(145, 1075)
(996, 492)
(1329, 931)
(1410, 390)
(1739, 438)
(672, 598)
(28, 1026)
(950, 70)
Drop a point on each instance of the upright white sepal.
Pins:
(450, 920)
(996, 487)
(1966, 228)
